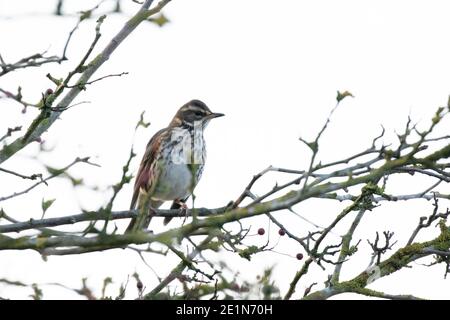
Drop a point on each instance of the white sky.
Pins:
(273, 68)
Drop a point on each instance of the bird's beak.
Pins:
(215, 115)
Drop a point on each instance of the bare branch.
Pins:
(44, 181)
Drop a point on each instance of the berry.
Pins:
(299, 256)
(281, 232)
(261, 231)
(139, 285)
(49, 91)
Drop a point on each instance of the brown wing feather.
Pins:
(143, 180)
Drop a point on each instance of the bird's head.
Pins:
(194, 112)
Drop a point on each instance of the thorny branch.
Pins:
(54, 174)
(313, 243)
(34, 60)
(38, 127)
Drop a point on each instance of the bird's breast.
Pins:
(186, 146)
(180, 166)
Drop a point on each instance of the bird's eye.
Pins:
(198, 114)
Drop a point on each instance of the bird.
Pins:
(172, 164)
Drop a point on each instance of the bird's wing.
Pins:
(146, 174)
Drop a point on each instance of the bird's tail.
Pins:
(175, 205)
(142, 221)
(132, 226)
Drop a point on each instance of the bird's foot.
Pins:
(183, 209)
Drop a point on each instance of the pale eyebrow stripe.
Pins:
(194, 108)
